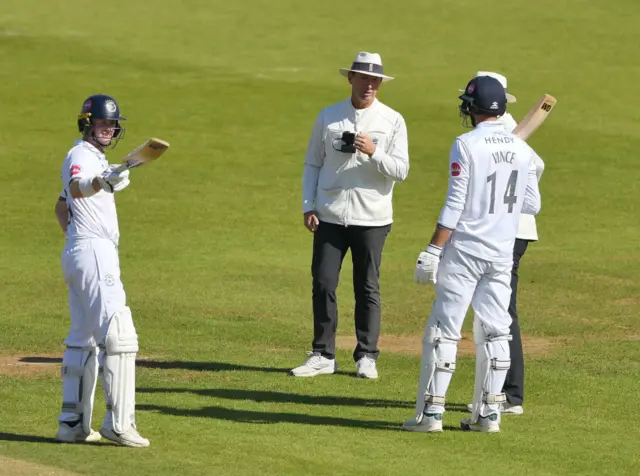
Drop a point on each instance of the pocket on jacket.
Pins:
(370, 205)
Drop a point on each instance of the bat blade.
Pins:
(147, 152)
(535, 117)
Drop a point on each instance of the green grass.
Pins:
(216, 262)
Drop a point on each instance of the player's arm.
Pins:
(85, 180)
(313, 161)
(395, 164)
(456, 193)
(62, 213)
(84, 187)
(539, 165)
(427, 264)
(532, 201)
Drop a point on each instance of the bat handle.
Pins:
(120, 168)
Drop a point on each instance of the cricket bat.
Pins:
(147, 152)
(535, 117)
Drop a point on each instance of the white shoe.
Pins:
(488, 424)
(315, 364)
(131, 437)
(430, 423)
(75, 434)
(366, 367)
(507, 409)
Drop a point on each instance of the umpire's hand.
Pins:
(311, 221)
(365, 144)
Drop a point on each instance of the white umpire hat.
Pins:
(499, 77)
(369, 64)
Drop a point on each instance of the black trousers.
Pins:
(514, 383)
(330, 245)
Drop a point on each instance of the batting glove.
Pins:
(427, 265)
(112, 181)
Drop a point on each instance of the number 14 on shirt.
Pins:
(510, 197)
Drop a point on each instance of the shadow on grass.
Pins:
(206, 366)
(175, 364)
(41, 360)
(247, 416)
(281, 397)
(26, 438)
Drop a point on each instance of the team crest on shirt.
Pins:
(75, 170)
(455, 169)
(109, 280)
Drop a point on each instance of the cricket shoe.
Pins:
(429, 423)
(315, 364)
(131, 437)
(76, 434)
(366, 368)
(488, 424)
(507, 409)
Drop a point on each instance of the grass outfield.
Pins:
(216, 262)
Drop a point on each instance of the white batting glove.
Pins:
(427, 265)
(112, 181)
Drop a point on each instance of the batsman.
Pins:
(492, 180)
(102, 333)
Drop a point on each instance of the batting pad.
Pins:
(437, 364)
(79, 380)
(119, 367)
(492, 363)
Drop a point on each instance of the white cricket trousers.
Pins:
(92, 272)
(464, 280)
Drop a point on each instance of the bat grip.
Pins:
(120, 168)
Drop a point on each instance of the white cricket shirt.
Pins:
(355, 189)
(492, 179)
(527, 229)
(95, 216)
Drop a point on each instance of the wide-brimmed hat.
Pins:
(369, 64)
(499, 77)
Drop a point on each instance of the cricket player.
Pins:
(102, 331)
(492, 180)
(527, 233)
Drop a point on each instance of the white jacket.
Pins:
(527, 229)
(355, 189)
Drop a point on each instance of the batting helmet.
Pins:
(99, 106)
(484, 95)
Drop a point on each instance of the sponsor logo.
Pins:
(455, 169)
(86, 107)
(546, 107)
(471, 88)
(494, 105)
(75, 170)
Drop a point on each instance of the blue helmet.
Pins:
(100, 106)
(484, 95)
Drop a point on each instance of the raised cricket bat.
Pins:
(535, 117)
(147, 152)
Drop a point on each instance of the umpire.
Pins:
(357, 152)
